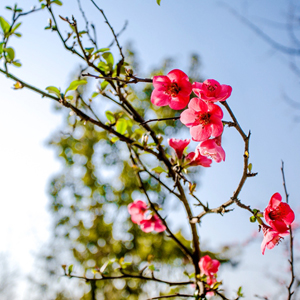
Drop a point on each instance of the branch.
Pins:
(129, 276)
(185, 250)
(134, 79)
(162, 119)
(234, 199)
(172, 296)
(291, 260)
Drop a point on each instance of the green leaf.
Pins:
(95, 94)
(8, 7)
(103, 66)
(102, 50)
(1, 47)
(239, 292)
(75, 84)
(103, 85)
(159, 170)
(18, 34)
(121, 126)
(151, 268)
(250, 167)
(216, 285)
(53, 90)
(89, 50)
(158, 2)
(252, 219)
(4, 25)
(16, 27)
(114, 139)
(70, 269)
(110, 116)
(57, 2)
(17, 63)
(10, 53)
(109, 59)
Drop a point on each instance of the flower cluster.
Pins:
(209, 267)
(140, 215)
(279, 216)
(203, 116)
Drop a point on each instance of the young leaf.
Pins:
(102, 50)
(109, 59)
(16, 27)
(75, 84)
(53, 90)
(159, 170)
(121, 126)
(70, 269)
(103, 85)
(17, 63)
(4, 25)
(57, 2)
(10, 53)
(250, 167)
(158, 2)
(110, 116)
(252, 219)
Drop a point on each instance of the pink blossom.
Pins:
(179, 145)
(173, 90)
(271, 238)
(213, 149)
(208, 266)
(152, 222)
(204, 119)
(278, 214)
(211, 90)
(196, 159)
(137, 211)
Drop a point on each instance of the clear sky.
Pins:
(230, 53)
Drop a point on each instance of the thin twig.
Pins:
(172, 296)
(291, 260)
(162, 119)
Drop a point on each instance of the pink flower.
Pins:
(173, 90)
(137, 210)
(278, 214)
(179, 145)
(211, 90)
(204, 119)
(152, 222)
(208, 266)
(196, 159)
(271, 238)
(213, 149)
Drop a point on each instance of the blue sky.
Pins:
(230, 53)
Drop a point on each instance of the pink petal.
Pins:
(188, 117)
(147, 225)
(198, 105)
(200, 133)
(197, 87)
(225, 92)
(216, 126)
(215, 110)
(179, 145)
(177, 75)
(161, 82)
(179, 102)
(160, 98)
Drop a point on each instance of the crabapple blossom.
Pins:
(137, 210)
(208, 266)
(174, 90)
(152, 222)
(271, 237)
(211, 90)
(278, 214)
(204, 119)
(196, 159)
(213, 149)
(179, 145)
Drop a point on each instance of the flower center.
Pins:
(275, 214)
(211, 90)
(173, 89)
(204, 119)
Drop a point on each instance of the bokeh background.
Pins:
(265, 100)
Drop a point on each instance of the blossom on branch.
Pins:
(179, 145)
(204, 119)
(152, 222)
(196, 159)
(278, 214)
(213, 149)
(173, 90)
(137, 210)
(271, 237)
(211, 90)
